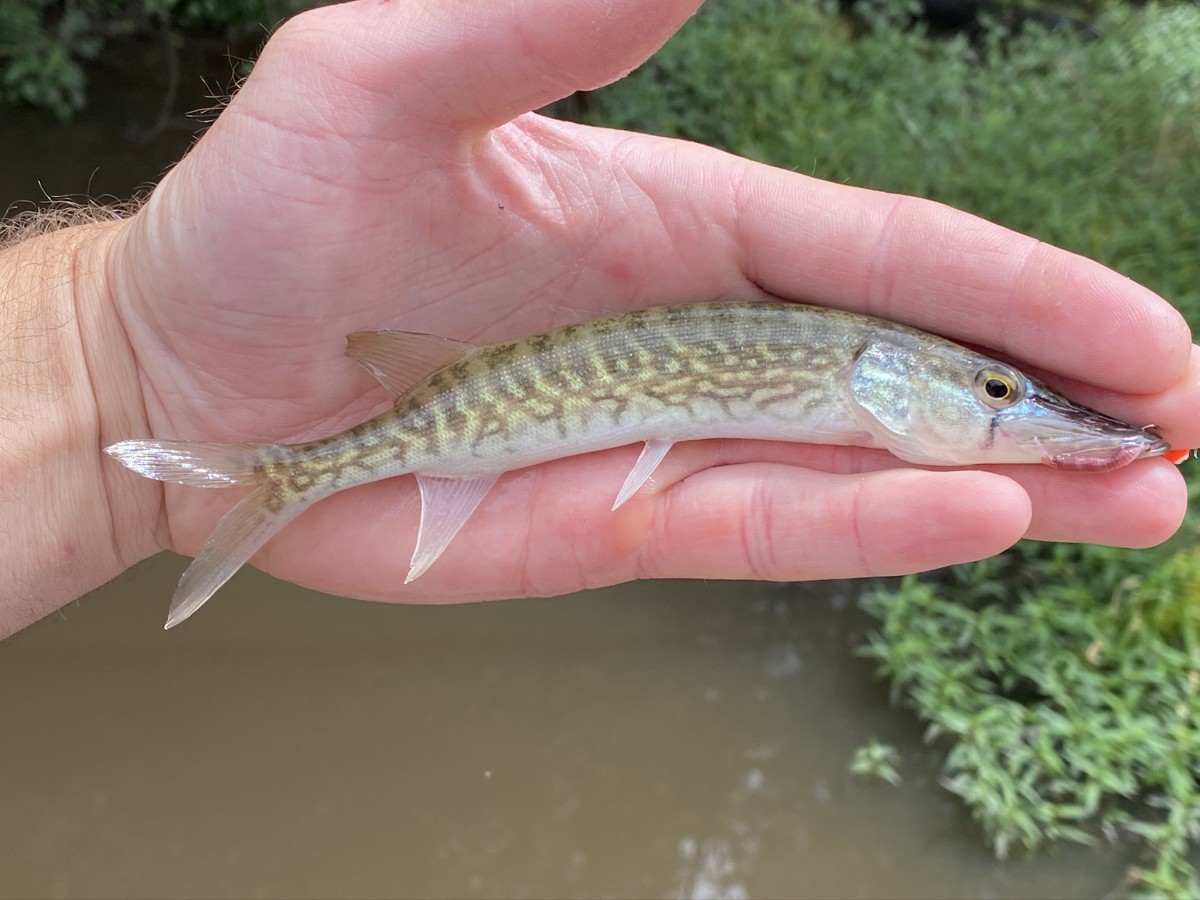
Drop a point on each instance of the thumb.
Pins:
(468, 63)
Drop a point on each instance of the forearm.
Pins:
(68, 386)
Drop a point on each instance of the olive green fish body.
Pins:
(767, 370)
(728, 370)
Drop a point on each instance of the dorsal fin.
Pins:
(399, 359)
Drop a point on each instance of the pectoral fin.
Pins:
(446, 504)
(652, 455)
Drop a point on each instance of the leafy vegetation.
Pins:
(878, 760)
(1064, 681)
(44, 44)
(1068, 684)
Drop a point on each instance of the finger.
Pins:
(946, 271)
(1172, 413)
(780, 523)
(471, 64)
(908, 260)
(1139, 506)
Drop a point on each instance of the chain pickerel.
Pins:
(464, 415)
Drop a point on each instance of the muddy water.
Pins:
(674, 739)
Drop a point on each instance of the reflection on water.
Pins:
(709, 871)
(677, 739)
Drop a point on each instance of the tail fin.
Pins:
(240, 533)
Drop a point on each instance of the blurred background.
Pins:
(1028, 726)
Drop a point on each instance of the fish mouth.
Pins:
(1106, 460)
(1072, 438)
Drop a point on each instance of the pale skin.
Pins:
(380, 169)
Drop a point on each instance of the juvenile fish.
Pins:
(464, 415)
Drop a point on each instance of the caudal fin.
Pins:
(191, 462)
(242, 530)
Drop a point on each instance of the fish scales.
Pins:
(690, 370)
(769, 370)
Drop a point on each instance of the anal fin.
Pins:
(652, 455)
(446, 504)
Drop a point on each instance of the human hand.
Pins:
(379, 170)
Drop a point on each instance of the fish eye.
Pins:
(998, 387)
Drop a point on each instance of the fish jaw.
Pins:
(1073, 438)
(1109, 461)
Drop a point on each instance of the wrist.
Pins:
(68, 387)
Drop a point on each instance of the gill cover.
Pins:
(920, 407)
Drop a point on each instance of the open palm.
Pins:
(381, 169)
